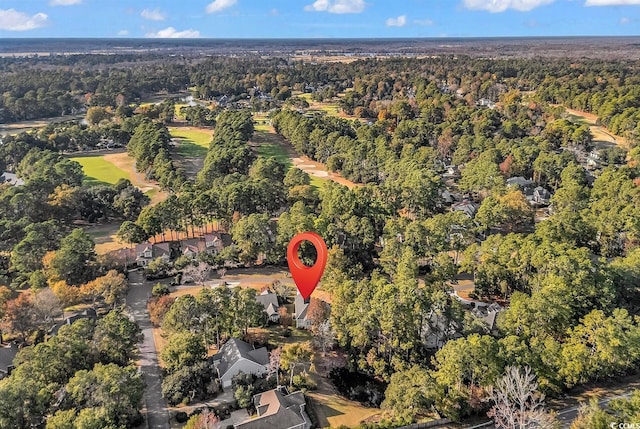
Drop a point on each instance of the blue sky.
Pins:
(317, 18)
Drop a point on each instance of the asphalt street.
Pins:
(155, 406)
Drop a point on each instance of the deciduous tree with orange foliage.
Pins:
(19, 316)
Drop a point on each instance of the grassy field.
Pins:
(194, 143)
(104, 235)
(98, 171)
(261, 123)
(332, 109)
(274, 150)
(317, 182)
(601, 136)
(269, 147)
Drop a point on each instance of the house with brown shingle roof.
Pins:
(147, 252)
(278, 409)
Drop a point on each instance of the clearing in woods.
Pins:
(99, 171)
(107, 168)
(192, 144)
(602, 137)
(270, 144)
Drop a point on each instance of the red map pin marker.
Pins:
(306, 278)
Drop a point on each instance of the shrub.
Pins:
(181, 417)
(196, 380)
(303, 381)
(160, 290)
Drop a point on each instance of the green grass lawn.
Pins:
(97, 171)
(261, 122)
(274, 150)
(317, 182)
(275, 337)
(577, 119)
(277, 151)
(262, 127)
(193, 143)
(332, 109)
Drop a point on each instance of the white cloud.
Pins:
(123, 33)
(12, 20)
(172, 33)
(400, 21)
(337, 6)
(502, 5)
(624, 20)
(153, 14)
(64, 2)
(219, 5)
(611, 2)
(424, 22)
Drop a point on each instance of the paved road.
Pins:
(156, 407)
(567, 415)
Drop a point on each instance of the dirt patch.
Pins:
(320, 170)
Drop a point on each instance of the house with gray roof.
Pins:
(519, 181)
(192, 247)
(466, 207)
(214, 241)
(278, 409)
(11, 179)
(269, 301)
(89, 313)
(238, 356)
(8, 352)
(541, 196)
(301, 307)
(489, 315)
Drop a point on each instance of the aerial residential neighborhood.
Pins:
(322, 214)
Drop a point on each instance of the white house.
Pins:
(541, 196)
(213, 241)
(147, 252)
(192, 247)
(237, 356)
(301, 307)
